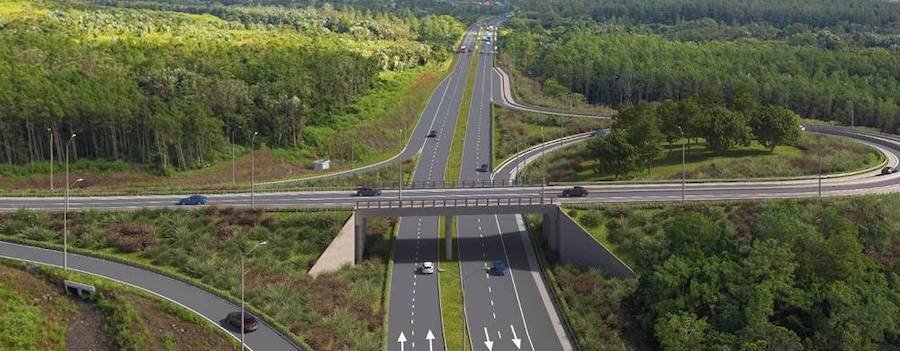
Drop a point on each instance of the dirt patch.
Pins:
(86, 331)
(169, 332)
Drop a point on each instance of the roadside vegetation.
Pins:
(336, 311)
(162, 94)
(578, 163)
(785, 274)
(821, 59)
(516, 130)
(528, 91)
(38, 315)
(740, 139)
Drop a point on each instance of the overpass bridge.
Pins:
(561, 234)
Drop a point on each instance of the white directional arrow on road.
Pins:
(487, 340)
(430, 338)
(402, 341)
(515, 338)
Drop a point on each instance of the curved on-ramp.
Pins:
(199, 301)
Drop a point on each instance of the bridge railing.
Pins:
(441, 203)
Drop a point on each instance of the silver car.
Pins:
(427, 268)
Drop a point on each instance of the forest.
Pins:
(795, 57)
(817, 13)
(775, 275)
(171, 88)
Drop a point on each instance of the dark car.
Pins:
(193, 200)
(250, 322)
(499, 268)
(368, 191)
(888, 170)
(432, 134)
(575, 192)
(483, 168)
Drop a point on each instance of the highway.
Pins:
(502, 312)
(511, 312)
(414, 313)
(617, 192)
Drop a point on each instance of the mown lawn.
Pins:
(839, 155)
(338, 311)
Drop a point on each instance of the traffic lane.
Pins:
(211, 307)
(544, 326)
(493, 315)
(414, 305)
(458, 196)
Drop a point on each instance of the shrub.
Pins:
(39, 234)
(131, 237)
(122, 323)
(592, 218)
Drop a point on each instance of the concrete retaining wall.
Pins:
(579, 248)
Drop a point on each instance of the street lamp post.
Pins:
(819, 160)
(66, 209)
(50, 131)
(252, 166)
(243, 256)
(233, 161)
(683, 174)
(543, 164)
(400, 170)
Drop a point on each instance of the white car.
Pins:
(427, 268)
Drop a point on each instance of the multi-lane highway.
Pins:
(511, 312)
(414, 311)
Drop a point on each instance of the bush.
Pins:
(131, 237)
(122, 323)
(592, 218)
(39, 234)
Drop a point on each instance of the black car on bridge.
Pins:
(576, 191)
(368, 191)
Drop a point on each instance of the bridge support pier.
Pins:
(448, 237)
(360, 237)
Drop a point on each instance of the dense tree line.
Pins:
(752, 276)
(642, 128)
(171, 89)
(817, 13)
(853, 86)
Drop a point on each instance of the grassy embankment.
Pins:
(516, 130)
(336, 311)
(395, 103)
(831, 258)
(839, 155)
(527, 91)
(455, 332)
(38, 315)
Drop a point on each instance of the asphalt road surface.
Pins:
(502, 312)
(414, 313)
